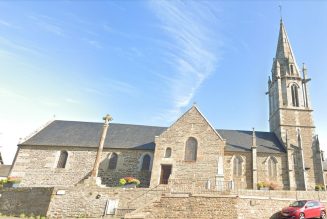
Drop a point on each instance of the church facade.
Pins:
(288, 156)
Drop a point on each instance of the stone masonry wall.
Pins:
(248, 204)
(192, 207)
(90, 201)
(245, 181)
(210, 147)
(293, 119)
(129, 163)
(282, 171)
(37, 166)
(28, 201)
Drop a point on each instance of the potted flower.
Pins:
(12, 181)
(263, 185)
(129, 182)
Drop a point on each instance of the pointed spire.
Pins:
(284, 49)
(284, 54)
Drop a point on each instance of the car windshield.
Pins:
(298, 204)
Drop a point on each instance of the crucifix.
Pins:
(95, 170)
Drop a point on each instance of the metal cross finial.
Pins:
(107, 119)
(280, 11)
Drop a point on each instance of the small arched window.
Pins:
(237, 166)
(191, 149)
(272, 168)
(295, 95)
(146, 162)
(113, 161)
(62, 159)
(168, 153)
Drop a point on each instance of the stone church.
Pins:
(63, 153)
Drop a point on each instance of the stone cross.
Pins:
(95, 170)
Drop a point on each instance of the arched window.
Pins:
(191, 149)
(272, 168)
(295, 95)
(168, 153)
(113, 161)
(146, 162)
(237, 166)
(62, 159)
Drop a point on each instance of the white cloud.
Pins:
(193, 51)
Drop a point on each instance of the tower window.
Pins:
(191, 149)
(292, 69)
(237, 166)
(113, 161)
(146, 162)
(62, 159)
(295, 95)
(168, 153)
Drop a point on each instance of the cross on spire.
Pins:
(280, 12)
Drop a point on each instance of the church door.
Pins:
(165, 173)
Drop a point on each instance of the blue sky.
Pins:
(147, 62)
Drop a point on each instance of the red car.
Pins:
(304, 209)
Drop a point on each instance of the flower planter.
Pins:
(264, 188)
(10, 185)
(131, 185)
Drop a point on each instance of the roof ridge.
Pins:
(243, 130)
(111, 123)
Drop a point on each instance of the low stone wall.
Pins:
(28, 201)
(90, 201)
(87, 200)
(248, 204)
(185, 206)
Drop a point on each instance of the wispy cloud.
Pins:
(5, 23)
(192, 53)
(48, 24)
(94, 43)
(5, 42)
(123, 87)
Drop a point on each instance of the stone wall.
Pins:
(244, 181)
(129, 163)
(185, 206)
(209, 148)
(282, 171)
(90, 201)
(37, 165)
(28, 201)
(247, 204)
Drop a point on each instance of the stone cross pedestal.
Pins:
(95, 169)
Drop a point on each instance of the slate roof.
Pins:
(238, 140)
(125, 136)
(4, 170)
(87, 134)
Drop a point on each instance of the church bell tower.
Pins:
(290, 117)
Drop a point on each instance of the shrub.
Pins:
(14, 179)
(320, 187)
(267, 184)
(129, 180)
